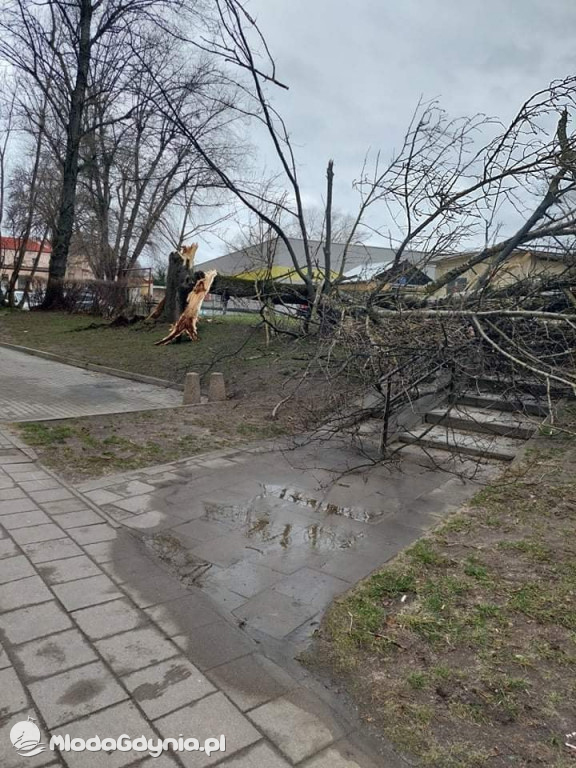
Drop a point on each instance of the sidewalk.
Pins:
(135, 652)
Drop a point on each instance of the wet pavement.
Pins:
(98, 637)
(273, 534)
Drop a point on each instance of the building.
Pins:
(521, 265)
(272, 258)
(36, 261)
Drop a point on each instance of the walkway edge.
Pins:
(93, 367)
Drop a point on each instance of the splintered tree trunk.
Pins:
(177, 279)
(187, 323)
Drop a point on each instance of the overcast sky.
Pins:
(356, 69)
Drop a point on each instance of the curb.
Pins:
(94, 367)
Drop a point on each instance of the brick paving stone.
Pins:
(78, 692)
(158, 589)
(17, 594)
(297, 732)
(167, 686)
(210, 717)
(9, 494)
(29, 623)
(76, 519)
(40, 485)
(69, 505)
(7, 548)
(93, 534)
(178, 616)
(24, 520)
(101, 497)
(54, 653)
(135, 649)
(109, 619)
(13, 694)
(251, 680)
(258, 756)
(102, 552)
(37, 533)
(111, 723)
(46, 551)
(13, 568)
(84, 592)
(214, 644)
(17, 505)
(54, 494)
(69, 569)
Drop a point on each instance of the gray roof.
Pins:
(261, 255)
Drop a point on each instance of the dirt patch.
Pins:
(462, 650)
(86, 448)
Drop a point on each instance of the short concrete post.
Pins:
(191, 389)
(216, 388)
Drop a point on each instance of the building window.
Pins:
(456, 286)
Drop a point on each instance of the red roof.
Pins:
(12, 244)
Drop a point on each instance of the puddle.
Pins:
(359, 514)
(257, 522)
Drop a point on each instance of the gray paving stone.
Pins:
(101, 496)
(37, 533)
(258, 756)
(8, 493)
(214, 644)
(69, 695)
(210, 717)
(181, 616)
(40, 485)
(311, 587)
(57, 549)
(251, 681)
(4, 660)
(69, 505)
(246, 578)
(69, 569)
(17, 505)
(13, 568)
(24, 520)
(18, 594)
(108, 618)
(275, 614)
(55, 494)
(7, 548)
(84, 592)
(9, 758)
(201, 530)
(112, 723)
(148, 592)
(135, 649)
(93, 534)
(167, 686)
(102, 552)
(136, 504)
(77, 519)
(54, 653)
(37, 621)
(131, 488)
(297, 731)
(14, 696)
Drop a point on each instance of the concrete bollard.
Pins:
(216, 388)
(191, 389)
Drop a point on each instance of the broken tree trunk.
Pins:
(187, 323)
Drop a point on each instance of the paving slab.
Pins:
(51, 390)
(69, 569)
(167, 686)
(109, 619)
(84, 592)
(28, 591)
(64, 697)
(135, 649)
(214, 644)
(25, 624)
(54, 653)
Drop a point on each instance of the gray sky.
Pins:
(357, 69)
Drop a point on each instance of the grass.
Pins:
(458, 650)
(233, 344)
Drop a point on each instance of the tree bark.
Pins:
(54, 298)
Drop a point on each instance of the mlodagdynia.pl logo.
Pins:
(26, 738)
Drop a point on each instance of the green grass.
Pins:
(233, 344)
(458, 650)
